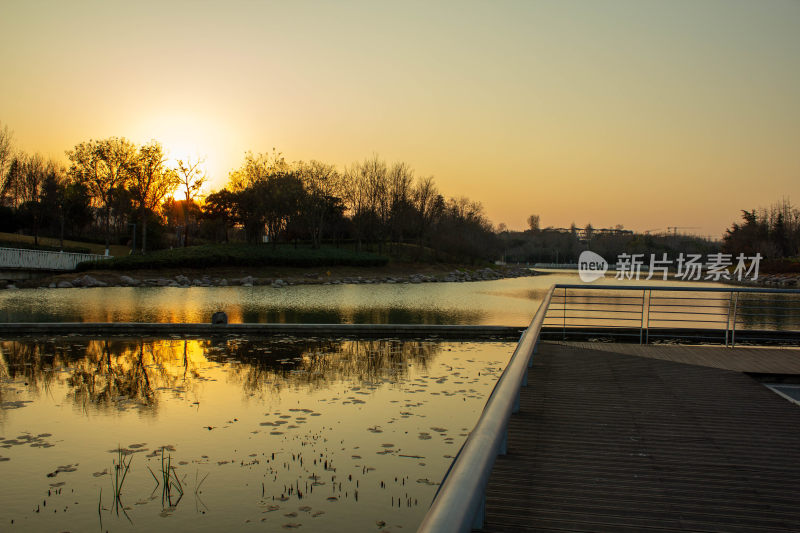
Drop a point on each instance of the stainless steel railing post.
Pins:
(641, 314)
(733, 329)
(728, 319)
(647, 324)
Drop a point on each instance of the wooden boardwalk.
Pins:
(764, 360)
(609, 441)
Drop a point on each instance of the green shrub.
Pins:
(207, 256)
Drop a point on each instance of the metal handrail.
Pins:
(672, 288)
(663, 307)
(459, 504)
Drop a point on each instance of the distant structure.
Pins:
(588, 231)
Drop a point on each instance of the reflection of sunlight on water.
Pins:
(334, 435)
(510, 302)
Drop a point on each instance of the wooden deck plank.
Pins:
(620, 438)
(766, 360)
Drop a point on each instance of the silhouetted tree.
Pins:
(31, 189)
(533, 223)
(221, 206)
(6, 155)
(324, 187)
(192, 179)
(150, 182)
(103, 166)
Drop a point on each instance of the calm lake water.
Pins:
(263, 433)
(273, 434)
(508, 302)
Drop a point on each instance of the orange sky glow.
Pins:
(646, 114)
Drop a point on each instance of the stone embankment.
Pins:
(777, 281)
(309, 278)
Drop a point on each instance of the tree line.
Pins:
(369, 203)
(112, 190)
(562, 245)
(774, 232)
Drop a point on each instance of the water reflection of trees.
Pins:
(270, 366)
(101, 373)
(117, 373)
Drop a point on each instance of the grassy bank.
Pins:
(239, 255)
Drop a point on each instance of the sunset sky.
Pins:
(641, 113)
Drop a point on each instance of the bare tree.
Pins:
(378, 201)
(192, 179)
(401, 178)
(6, 155)
(150, 182)
(324, 188)
(30, 187)
(533, 223)
(427, 201)
(356, 200)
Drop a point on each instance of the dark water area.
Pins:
(269, 434)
